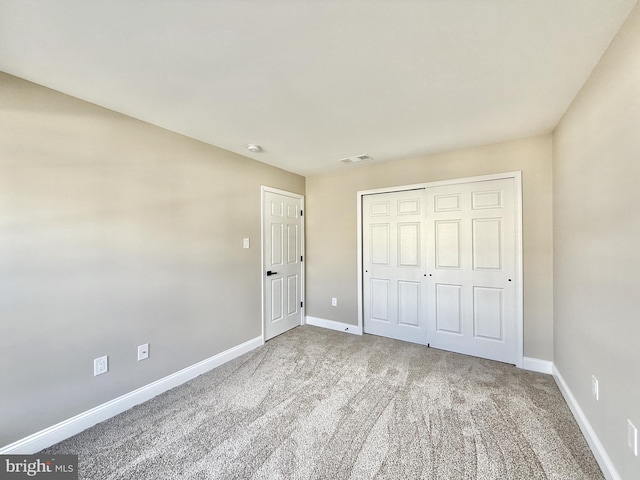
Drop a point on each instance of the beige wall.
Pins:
(331, 227)
(114, 233)
(596, 250)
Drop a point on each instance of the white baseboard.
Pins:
(333, 325)
(67, 428)
(606, 465)
(537, 365)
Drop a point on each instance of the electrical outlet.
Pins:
(334, 302)
(143, 351)
(245, 243)
(632, 437)
(100, 365)
(595, 389)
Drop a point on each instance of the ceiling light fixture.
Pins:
(253, 148)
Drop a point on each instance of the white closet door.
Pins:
(394, 265)
(471, 255)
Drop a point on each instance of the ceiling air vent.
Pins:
(355, 159)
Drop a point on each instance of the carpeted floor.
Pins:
(319, 404)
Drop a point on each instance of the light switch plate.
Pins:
(143, 351)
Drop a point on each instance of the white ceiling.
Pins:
(315, 81)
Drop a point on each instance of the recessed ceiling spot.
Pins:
(252, 147)
(356, 158)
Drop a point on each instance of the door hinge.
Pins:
(301, 304)
(301, 213)
(301, 258)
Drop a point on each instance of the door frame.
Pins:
(517, 181)
(264, 189)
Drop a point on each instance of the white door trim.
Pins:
(263, 190)
(517, 177)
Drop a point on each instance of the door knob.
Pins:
(269, 273)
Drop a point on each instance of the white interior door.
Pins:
(282, 261)
(471, 269)
(394, 265)
(439, 267)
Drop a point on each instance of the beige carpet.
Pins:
(318, 404)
